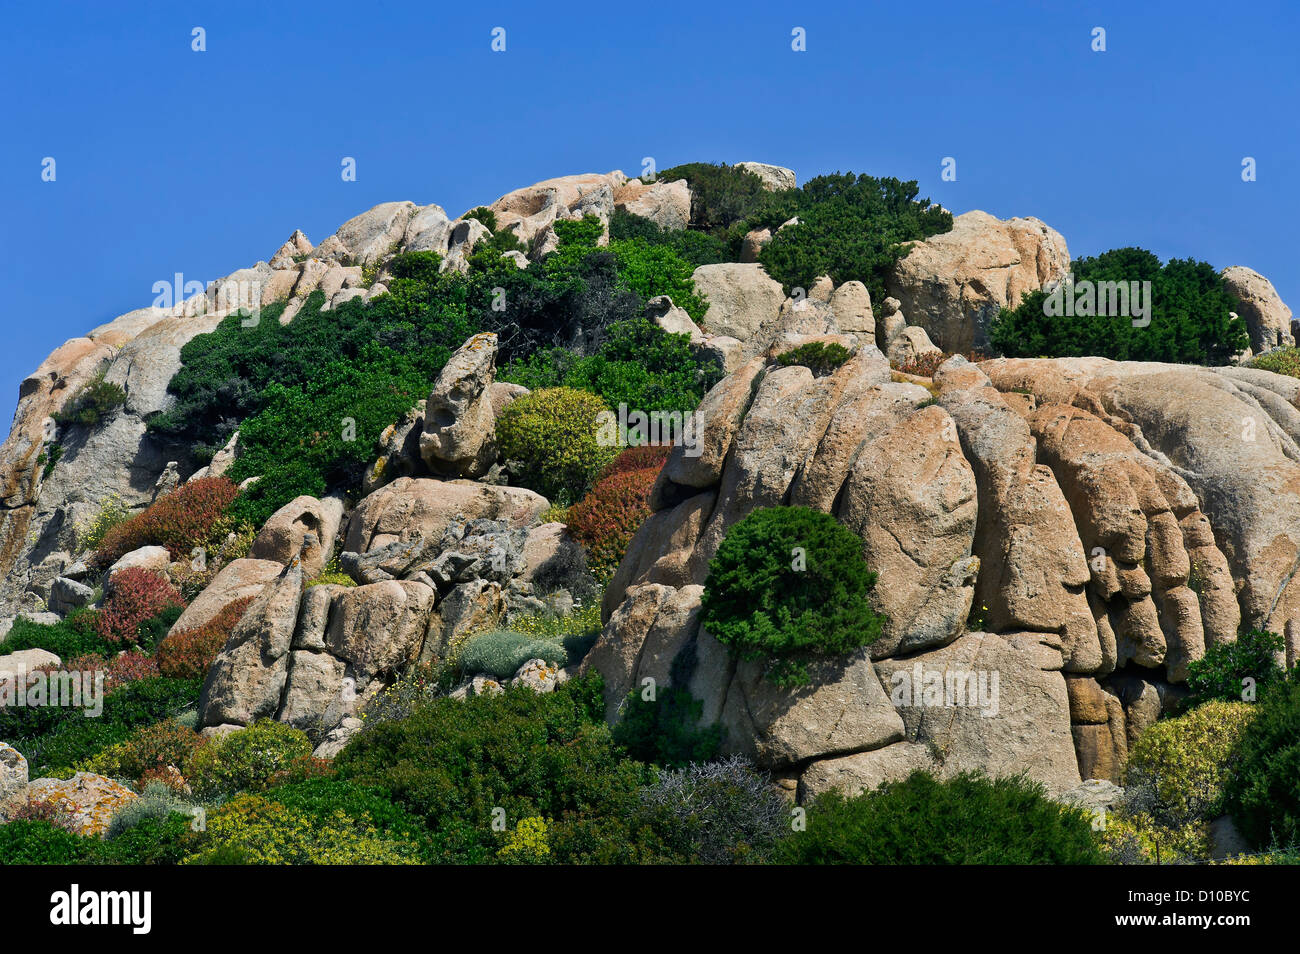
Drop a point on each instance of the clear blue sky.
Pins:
(171, 161)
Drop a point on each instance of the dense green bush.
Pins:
(786, 585)
(1190, 319)
(664, 730)
(817, 356)
(723, 198)
(42, 843)
(94, 402)
(151, 840)
(1222, 672)
(453, 762)
(252, 759)
(552, 436)
(692, 246)
(1263, 793)
(850, 227)
(638, 364)
(324, 798)
(966, 820)
(56, 738)
(74, 636)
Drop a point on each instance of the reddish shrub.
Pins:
(189, 655)
(605, 520)
(924, 365)
(180, 521)
(148, 752)
(138, 595)
(637, 458)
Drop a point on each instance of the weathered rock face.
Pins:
(1099, 523)
(774, 177)
(666, 204)
(742, 299)
(459, 436)
(529, 212)
(283, 536)
(953, 284)
(1267, 317)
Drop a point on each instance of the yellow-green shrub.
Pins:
(551, 435)
(251, 829)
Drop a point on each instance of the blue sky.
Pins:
(170, 160)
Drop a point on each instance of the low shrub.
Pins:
(606, 519)
(148, 748)
(74, 637)
(1237, 671)
(817, 356)
(369, 808)
(252, 829)
(190, 654)
(502, 652)
(42, 843)
(965, 820)
(1177, 772)
(453, 763)
(188, 517)
(95, 401)
(253, 759)
(664, 729)
(1263, 793)
(112, 512)
(552, 436)
(789, 584)
(529, 843)
(719, 813)
(1279, 361)
(137, 598)
(150, 840)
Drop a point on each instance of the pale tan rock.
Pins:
(1267, 317)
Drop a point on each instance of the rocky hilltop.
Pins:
(1080, 528)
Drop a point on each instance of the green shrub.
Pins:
(723, 197)
(850, 228)
(56, 738)
(817, 356)
(966, 820)
(664, 730)
(786, 585)
(1264, 791)
(151, 840)
(67, 640)
(638, 364)
(42, 843)
(1223, 671)
(502, 652)
(369, 808)
(693, 246)
(552, 435)
(1190, 321)
(453, 762)
(1279, 361)
(1176, 774)
(653, 270)
(252, 829)
(94, 402)
(252, 759)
